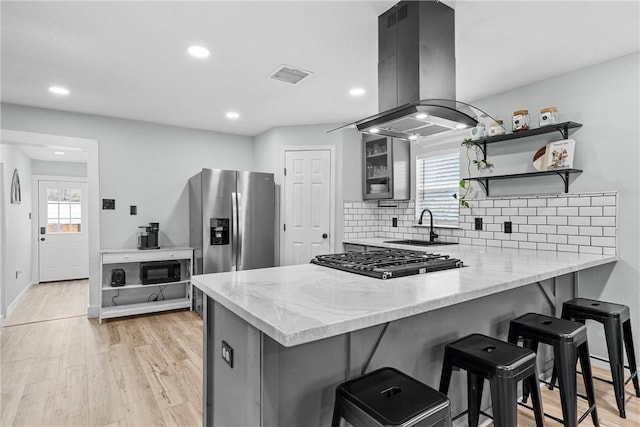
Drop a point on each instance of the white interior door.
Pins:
(63, 242)
(307, 205)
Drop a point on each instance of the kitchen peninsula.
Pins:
(291, 334)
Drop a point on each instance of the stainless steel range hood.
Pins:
(416, 74)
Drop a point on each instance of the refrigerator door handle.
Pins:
(240, 232)
(234, 231)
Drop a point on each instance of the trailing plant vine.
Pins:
(480, 164)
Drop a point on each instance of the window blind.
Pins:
(437, 179)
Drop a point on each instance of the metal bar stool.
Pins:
(388, 397)
(617, 327)
(504, 365)
(569, 341)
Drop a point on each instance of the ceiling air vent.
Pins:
(289, 74)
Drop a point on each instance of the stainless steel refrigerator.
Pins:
(231, 222)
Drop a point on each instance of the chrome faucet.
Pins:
(432, 236)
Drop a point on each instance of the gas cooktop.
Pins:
(388, 263)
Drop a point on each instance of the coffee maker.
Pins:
(148, 236)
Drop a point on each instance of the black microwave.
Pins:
(155, 272)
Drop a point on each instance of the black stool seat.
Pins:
(503, 364)
(617, 327)
(388, 397)
(569, 342)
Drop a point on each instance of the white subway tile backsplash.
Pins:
(604, 241)
(527, 228)
(537, 237)
(591, 211)
(579, 201)
(579, 240)
(579, 220)
(557, 220)
(546, 211)
(570, 211)
(537, 220)
(603, 201)
(590, 231)
(557, 238)
(527, 245)
(526, 211)
(567, 229)
(591, 250)
(557, 201)
(546, 229)
(536, 202)
(574, 222)
(603, 221)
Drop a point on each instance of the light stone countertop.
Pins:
(304, 303)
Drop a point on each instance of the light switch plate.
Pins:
(109, 204)
(478, 223)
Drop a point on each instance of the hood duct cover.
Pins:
(416, 74)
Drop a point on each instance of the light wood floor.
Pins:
(139, 371)
(144, 371)
(52, 300)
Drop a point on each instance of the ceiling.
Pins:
(129, 59)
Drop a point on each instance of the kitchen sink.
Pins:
(418, 242)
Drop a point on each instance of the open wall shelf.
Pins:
(562, 173)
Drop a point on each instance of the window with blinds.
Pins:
(437, 179)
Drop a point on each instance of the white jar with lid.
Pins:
(520, 120)
(549, 116)
(496, 128)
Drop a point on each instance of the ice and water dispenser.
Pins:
(219, 229)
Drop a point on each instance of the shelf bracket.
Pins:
(373, 350)
(485, 185)
(564, 131)
(565, 179)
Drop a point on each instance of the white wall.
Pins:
(604, 98)
(17, 274)
(142, 164)
(43, 167)
(267, 153)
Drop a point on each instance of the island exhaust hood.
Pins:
(416, 74)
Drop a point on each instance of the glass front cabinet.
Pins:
(386, 168)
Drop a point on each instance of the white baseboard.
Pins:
(1, 321)
(15, 302)
(93, 311)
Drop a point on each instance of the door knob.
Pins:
(325, 235)
(42, 239)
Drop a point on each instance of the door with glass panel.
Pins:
(63, 242)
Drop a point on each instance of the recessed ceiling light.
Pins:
(232, 115)
(198, 51)
(413, 137)
(59, 153)
(59, 90)
(421, 116)
(374, 130)
(356, 91)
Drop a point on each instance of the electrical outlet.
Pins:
(478, 223)
(227, 354)
(508, 227)
(394, 222)
(133, 210)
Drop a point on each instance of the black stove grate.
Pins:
(388, 263)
